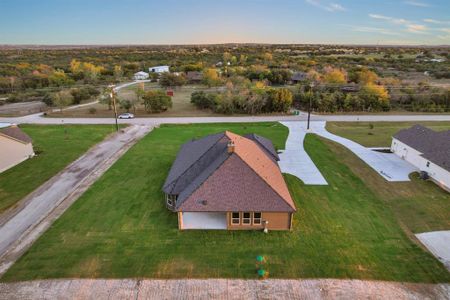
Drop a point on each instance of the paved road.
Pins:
(39, 119)
(295, 161)
(387, 165)
(99, 289)
(18, 224)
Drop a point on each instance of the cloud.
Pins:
(433, 21)
(373, 30)
(331, 6)
(417, 3)
(409, 26)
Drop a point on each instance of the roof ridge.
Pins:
(176, 180)
(265, 181)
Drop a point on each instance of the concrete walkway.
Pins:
(438, 243)
(99, 289)
(387, 165)
(21, 226)
(295, 161)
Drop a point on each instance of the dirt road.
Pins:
(20, 227)
(220, 289)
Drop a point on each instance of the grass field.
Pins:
(381, 134)
(182, 106)
(349, 229)
(56, 146)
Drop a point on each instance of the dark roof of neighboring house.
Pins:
(16, 133)
(297, 76)
(208, 178)
(434, 145)
(264, 144)
(194, 75)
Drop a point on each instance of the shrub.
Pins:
(156, 101)
(92, 110)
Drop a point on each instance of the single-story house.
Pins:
(194, 76)
(141, 75)
(426, 149)
(15, 146)
(228, 181)
(298, 77)
(159, 69)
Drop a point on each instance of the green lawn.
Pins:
(380, 135)
(120, 227)
(56, 146)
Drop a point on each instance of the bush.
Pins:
(203, 100)
(156, 101)
(172, 80)
(92, 110)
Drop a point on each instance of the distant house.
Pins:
(350, 88)
(141, 75)
(194, 76)
(15, 146)
(159, 69)
(227, 181)
(298, 77)
(426, 149)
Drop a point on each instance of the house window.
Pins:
(235, 218)
(246, 218)
(428, 164)
(171, 200)
(256, 218)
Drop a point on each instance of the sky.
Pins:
(93, 22)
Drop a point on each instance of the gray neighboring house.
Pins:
(426, 149)
(228, 181)
(298, 77)
(194, 76)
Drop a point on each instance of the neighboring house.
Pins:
(159, 69)
(227, 181)
(194, 76)
(141, 75)
(15, 146)
(350, 88)
(426, 149)
(298, 77)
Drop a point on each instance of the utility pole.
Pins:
(311, 86)
(113, 98)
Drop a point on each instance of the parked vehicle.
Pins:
(126, 116)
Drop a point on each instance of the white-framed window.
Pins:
(257, 218)
(235, 218)
(171, 200)
(246, 218)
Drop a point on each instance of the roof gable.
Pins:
(234, 186)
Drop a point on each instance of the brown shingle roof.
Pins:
(16, 133)
(207, 174)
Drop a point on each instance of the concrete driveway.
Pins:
(387, 165)
(295, 161)
(438, 243)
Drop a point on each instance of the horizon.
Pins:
(200, 22)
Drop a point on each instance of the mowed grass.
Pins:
(56, 146)
(120, 227)
(381, 133)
